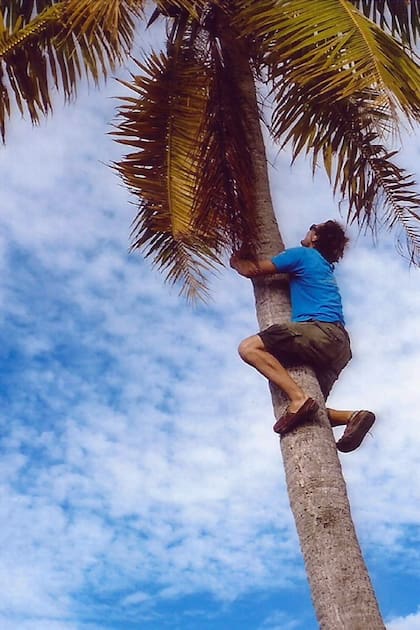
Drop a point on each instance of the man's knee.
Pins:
(249, 347)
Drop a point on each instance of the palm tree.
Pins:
(338, 75)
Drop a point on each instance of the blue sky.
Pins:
(142, 486)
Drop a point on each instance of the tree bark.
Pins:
(341, 589)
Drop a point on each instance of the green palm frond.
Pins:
(57, 46)
(13, 10)
(109, 21)
(330, 44)
(192, 169)
(348, 135)
(163, 123)
(399, 17)
(23, 70)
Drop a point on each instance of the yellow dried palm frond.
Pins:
(162, 122)
(57, 46)
(330, 43)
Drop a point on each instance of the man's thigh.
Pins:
(318, 344)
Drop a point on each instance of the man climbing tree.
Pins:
(340, 74)
(316, 335)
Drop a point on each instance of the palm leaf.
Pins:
(23, 70)
(58, 45)
(400, 17)
(192, 169)
(163, 123)
(331, 44)
(25, 10)
(348, 135)
(114, 19)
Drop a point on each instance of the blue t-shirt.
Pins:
(313, 289)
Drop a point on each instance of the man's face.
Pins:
(311, 237)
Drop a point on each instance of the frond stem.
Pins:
(35, 27)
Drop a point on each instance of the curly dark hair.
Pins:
(331, 240)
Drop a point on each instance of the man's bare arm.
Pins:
(252, 268)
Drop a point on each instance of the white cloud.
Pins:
(279, 621)
(410, 622)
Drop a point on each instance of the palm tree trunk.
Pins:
(341, 588)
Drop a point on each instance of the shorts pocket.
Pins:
(283, 341)
(335, 334)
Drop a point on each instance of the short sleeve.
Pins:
(288, 261)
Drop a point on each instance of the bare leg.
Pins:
(253, 352)
(338, 417)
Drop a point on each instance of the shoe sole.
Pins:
(354, 439)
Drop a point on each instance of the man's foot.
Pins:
(291, 419)
(358, 425)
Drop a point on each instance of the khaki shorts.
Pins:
(322, 345)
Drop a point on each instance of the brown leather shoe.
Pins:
(290, 420)
(358, 425)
